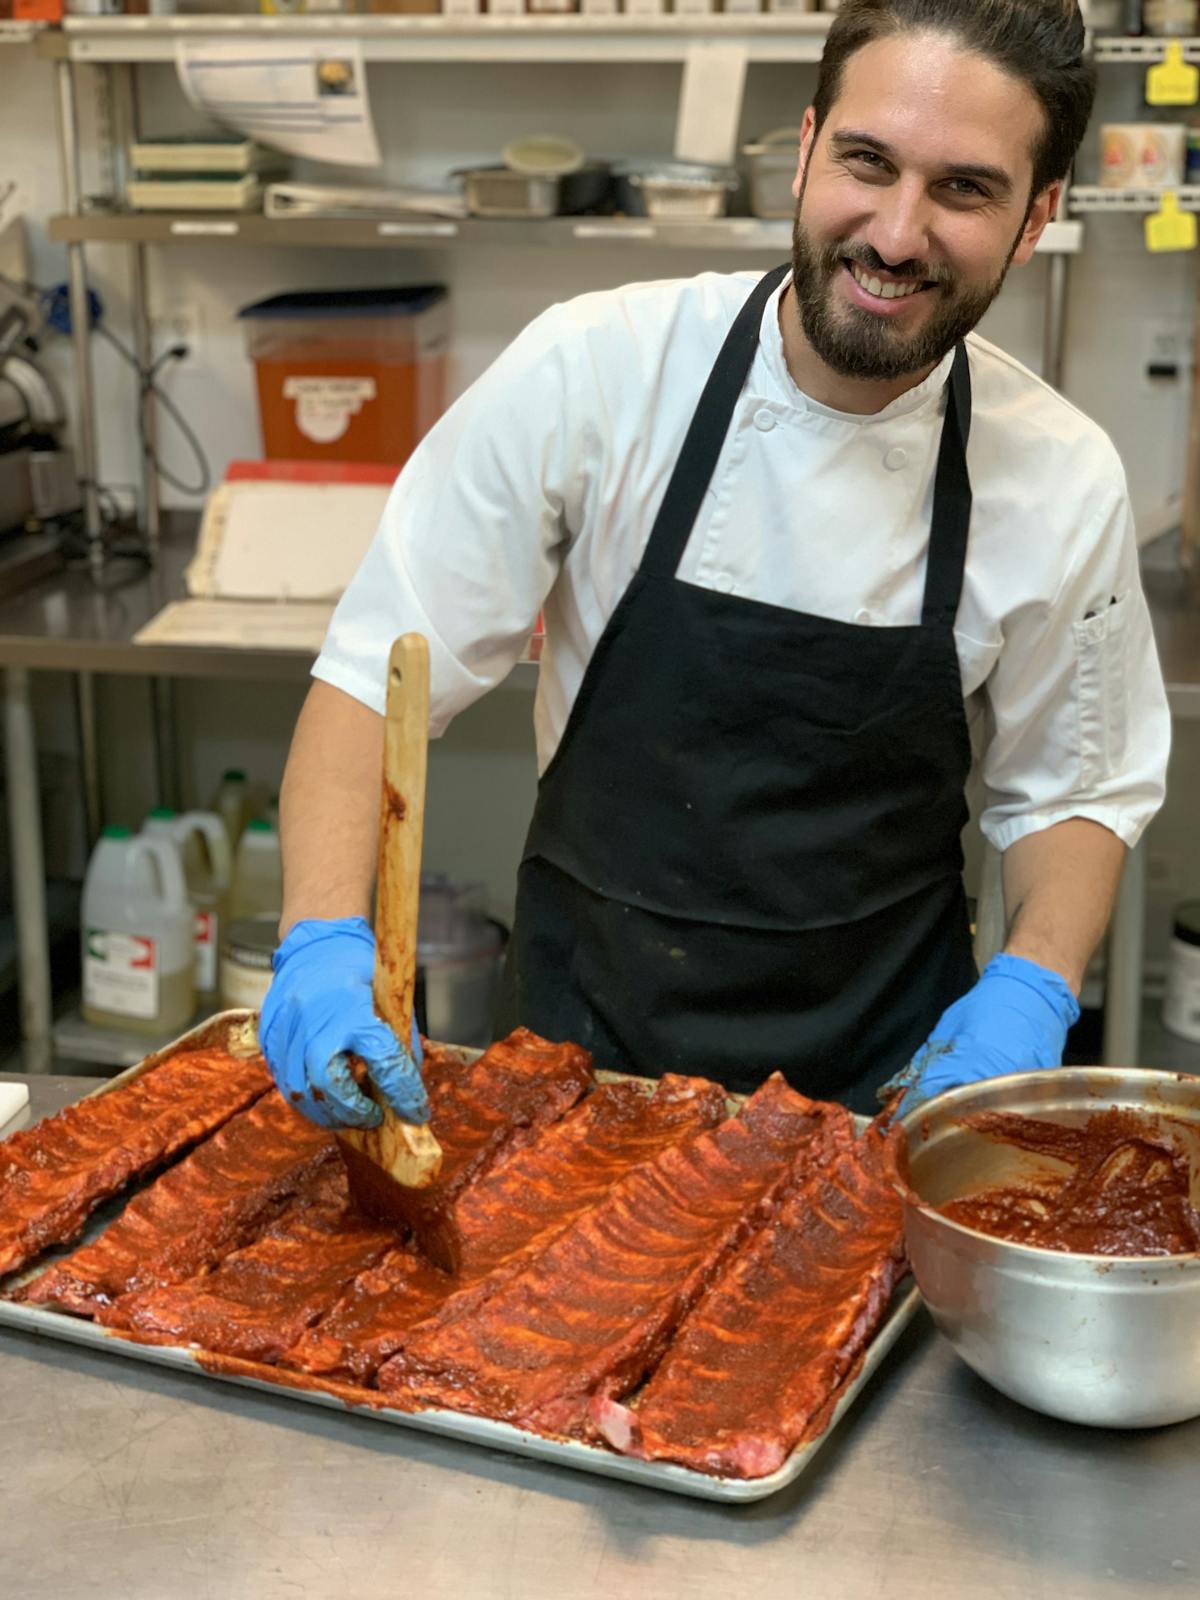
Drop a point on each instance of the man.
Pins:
(745, 506)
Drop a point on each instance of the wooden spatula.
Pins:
(383, 1162)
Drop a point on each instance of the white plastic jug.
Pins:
(203, 846)
(138, 967)
(257, 873)
(231, 802)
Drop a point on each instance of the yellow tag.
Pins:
(1173, 82)
(1170, 228)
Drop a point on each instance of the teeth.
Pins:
(883, 291)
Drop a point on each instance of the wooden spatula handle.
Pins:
(410, 1155)
(401, 826)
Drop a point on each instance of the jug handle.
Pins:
(219, 853)
(171, 881)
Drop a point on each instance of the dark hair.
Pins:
(1040, 42)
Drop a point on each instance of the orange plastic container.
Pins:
(348, 375)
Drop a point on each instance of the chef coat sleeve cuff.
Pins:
(1128, 825)
(371, 690)
(357, 685)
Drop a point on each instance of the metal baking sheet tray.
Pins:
(234, 1030)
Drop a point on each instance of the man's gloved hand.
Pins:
(318, 1009)
(1016, 1017)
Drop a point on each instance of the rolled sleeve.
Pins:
(1077, 716)
(471, 538)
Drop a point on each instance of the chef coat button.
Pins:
(864, 617)
(723, 581)
(764, 421)
(895, 459)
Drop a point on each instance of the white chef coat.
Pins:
(538, 488)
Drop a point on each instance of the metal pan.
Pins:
(234, 1031)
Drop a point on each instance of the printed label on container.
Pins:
(120, 974)
(206, 943)
(324, 406)
(243, 984)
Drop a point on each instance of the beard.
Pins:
(857, 344)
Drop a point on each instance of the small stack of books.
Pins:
(203, 172)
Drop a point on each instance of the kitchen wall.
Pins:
(1123, 303)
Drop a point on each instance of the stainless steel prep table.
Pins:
(65, 624)
(1174, 599)
(122, 1480)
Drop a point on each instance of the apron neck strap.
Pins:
(706, 433)
(951, 503)
(709, 426)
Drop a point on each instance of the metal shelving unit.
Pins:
(1129, 1024)
(560, 39)
(365, 233)
(792, 37)
(116, 45)
(1091, 197)
(1114, 51)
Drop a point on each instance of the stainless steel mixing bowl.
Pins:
(1110, 1341)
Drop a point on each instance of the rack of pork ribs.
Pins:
(631, 1265)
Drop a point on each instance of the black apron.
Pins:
(745, 852)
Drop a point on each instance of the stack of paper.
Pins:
(240, 625)
(278, 544)
(352, 200)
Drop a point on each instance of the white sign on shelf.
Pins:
(308, 98)
(710, 103)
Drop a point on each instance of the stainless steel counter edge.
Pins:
(127, 1480)
(173, 661)
(235, 1031)
(65, 624)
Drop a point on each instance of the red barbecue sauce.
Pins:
(1126, 1193)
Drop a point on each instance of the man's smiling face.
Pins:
(913, 201)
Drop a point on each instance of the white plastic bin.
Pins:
(203, 845)
(138, 966)
(258, 873)
(773, 160)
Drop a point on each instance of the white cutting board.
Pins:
(14, 1097)
(276, 541)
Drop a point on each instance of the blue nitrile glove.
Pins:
(318, 1008)
(1015, 1018)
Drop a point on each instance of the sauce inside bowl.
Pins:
(1125, 1188)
